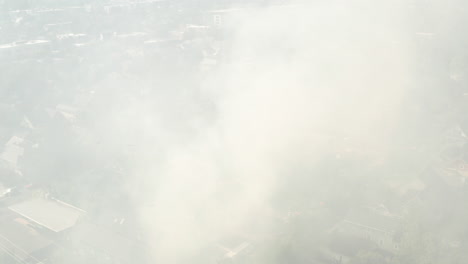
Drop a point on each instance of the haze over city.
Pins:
(242, 132)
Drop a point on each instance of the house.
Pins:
(52, 215)
(453, 137)
(7, 192)
(67, 112)
(342, 247)
(454, 174)
(3, 191)
(92, 241)
(220, 18)
(233, 251)
(405, 187)
(458, 68)
(31, 229)
(452, 165)
(25, 50)
(373, 227)
(21, 241)
(13, 151)
(231, 248)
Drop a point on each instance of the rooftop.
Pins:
(23, 43)
(52, 214)
(372, 219)
(3, 190)
(110, 243)
(19, 238)
(13, 150)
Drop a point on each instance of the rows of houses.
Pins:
(35, 226)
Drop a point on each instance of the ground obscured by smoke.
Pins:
(272, 125)
(300, 77)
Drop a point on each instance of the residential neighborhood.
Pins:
(266, 131)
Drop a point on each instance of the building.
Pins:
(30, 230)
(234, 251)
(20, 240)
(13, 151)
(373, 227)
(4, 191)
(230, 249)
(221, 18)
(90, 241)
(52, 215)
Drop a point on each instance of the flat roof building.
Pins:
(20, 240)
(52, 214)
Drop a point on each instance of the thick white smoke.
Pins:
(298, 77)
